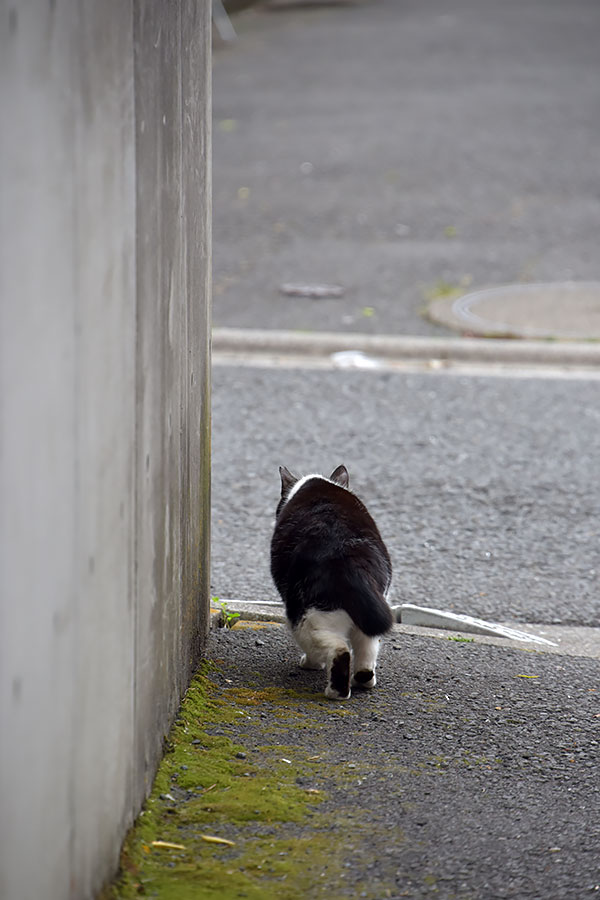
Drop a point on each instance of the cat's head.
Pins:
(290, 483)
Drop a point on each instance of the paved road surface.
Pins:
(404, 150)
(468, 773)
(486, 490)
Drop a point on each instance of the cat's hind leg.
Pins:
(306, 662)
(366, 650)
(324, 638)
(313, 656)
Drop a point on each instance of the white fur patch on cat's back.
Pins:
(302, 481)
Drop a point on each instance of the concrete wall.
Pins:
(104, 418)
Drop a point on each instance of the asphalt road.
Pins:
(485, 490)
(468, 773)
(403, 150)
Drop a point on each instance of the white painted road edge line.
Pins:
(430, 367)
(423, 349)
(409, 614)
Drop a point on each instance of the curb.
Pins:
(467, 350)
(558, 640)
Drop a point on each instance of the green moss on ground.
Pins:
(209, 786)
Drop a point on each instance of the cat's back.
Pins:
(327, 554)
(325, 515)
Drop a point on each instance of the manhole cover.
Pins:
(565, 310)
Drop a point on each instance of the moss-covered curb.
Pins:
(223, 821)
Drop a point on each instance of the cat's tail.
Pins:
(366, 606)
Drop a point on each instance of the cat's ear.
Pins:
(340, 476)
(287, 480)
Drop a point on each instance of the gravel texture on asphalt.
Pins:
(469, 771)
(405, 151)
(484, 489)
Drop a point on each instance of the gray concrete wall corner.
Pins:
(105, 249)
(173, 210)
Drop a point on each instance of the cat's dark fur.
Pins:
(333, 570)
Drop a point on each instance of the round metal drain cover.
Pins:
(568, 310)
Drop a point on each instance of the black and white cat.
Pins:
(333, 572)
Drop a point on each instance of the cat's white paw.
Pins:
(332, 694)
(364, 679)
